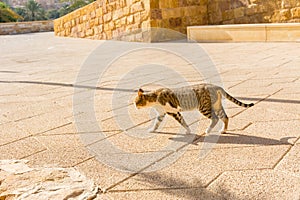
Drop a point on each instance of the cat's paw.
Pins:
(208, 130)
(188, 131)
(151, 130)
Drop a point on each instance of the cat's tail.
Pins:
(234, 100)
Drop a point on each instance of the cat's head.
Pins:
(141, 99)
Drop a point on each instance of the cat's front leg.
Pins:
(180, 119)
(157, 122)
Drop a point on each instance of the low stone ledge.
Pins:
(25, 27)
(19, 181)
(285, 32)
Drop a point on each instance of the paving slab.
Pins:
(9, 133)
(192, 171)
(21, 149)
(257, 159)
(289, 163)
(103, 175)
(189, 193)
(257, 184)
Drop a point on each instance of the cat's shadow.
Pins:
(227, 138)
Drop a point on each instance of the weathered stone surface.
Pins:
(246, 70)
(170, 14)
(25, 27)
(257, 184)
(18, 181)
(116, 17)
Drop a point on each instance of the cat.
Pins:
(207, 98)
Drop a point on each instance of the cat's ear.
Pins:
(140, 92)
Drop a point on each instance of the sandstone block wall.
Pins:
(116, 18)
(106, 20)
(253, 11)
(178, 14)
(25, 27)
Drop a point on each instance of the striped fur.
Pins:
(206, 98)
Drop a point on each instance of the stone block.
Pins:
(283, 32)
(156, 14)
(175, 22)
(137, 7)
(145, 15)
(285, 15)
(228, 15)
(126, 11)
(93, 14)
(154, 4)
(99, 12)
(118, 14)
(137, 17)
(145, 25)
(192, 11)
(130, 19)
(111, 25)
(295, 12)
(229, 33)
(123, 21)
(168, 4)
(239, 12)
(172, 13)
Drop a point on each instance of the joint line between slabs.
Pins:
(154, 189)
(83, 161)
(243, 81)
(213, 180)
(282, 157)
(138, 172)
(40, 151)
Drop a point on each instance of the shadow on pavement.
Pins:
(289, 101)
(177, 188)
(234, 138)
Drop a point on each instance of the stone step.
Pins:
(278, 32)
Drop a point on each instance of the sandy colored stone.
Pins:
(62, 157)
(104, 176)
(260, 184)
(21, 148)
(254, 142)
(189, 193)
(23, 182)
(9, 132)
(192, 171)
(290, 163)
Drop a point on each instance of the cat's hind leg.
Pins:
(180, 119)
(210, 114)
(222, 115)
(214, 121)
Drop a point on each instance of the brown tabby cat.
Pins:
(206, 98)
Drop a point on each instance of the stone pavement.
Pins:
(257, 159)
